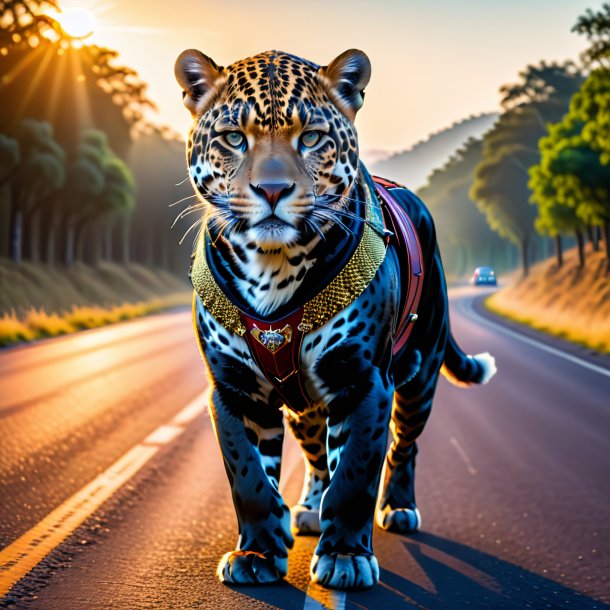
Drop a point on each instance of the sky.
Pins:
(434, 62)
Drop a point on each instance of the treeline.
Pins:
(571, 182)
(465, 238)
(550, 147)
(54, 202)
(75, 163)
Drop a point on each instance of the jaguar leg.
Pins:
(310, 431)
(356, 446)
(396, 509)
(251, 450)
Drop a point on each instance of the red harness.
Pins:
(276, 346)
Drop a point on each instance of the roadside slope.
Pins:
(566, 302)
(38, 300)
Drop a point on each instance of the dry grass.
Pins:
(37, 324)
(569, 302)
(38, 300)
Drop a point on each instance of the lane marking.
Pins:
(25, 553)
(319, 598)
(163, 435)
(469, 309)
(471, 469)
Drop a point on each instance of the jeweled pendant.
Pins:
(273, 339)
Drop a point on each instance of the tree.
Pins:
(591, 106)
(553, 193)
(99, 190)
(544, 88)
(571, 174)
(464, 236)
(117, 199)
(10, 156)
(38, 176)
(596, 28)
(500, 188)
(50, 77)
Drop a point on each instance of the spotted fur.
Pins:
(273, 156)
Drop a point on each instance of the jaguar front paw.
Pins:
(399, 520)
(251, 568)
(305, 521)
(339, 571)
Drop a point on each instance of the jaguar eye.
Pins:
(235, 139)
(310, 138)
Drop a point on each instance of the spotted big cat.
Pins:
(320, 304)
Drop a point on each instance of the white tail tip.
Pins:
(488, 362)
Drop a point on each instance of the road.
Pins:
(113, 494)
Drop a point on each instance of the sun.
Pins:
(76, 22)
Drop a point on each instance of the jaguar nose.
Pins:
(273, 191)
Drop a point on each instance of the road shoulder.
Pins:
(563, 345)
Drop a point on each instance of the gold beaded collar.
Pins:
(343, 290)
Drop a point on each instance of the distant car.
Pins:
(484, 276)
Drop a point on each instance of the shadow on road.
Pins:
(454, 576)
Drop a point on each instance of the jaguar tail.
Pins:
(464, 370)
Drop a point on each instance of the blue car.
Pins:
(484, 276)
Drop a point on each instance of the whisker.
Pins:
(330, 216)
(186, 212)
(181, 200)
(197, 222)
(310, 223)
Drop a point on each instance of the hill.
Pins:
(413, 166)
(568, 302)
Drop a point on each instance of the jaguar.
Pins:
(310, 312)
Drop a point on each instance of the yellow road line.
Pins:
(21, 556)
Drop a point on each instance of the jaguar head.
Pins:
(273, 149)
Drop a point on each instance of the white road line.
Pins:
(21, 556)
(471, 469)
(319, 598)
(547, 348)
(192, 410)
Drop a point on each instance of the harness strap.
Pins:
(410, 257)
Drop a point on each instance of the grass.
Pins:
(565, 302)
(38, 301)
(38, 324)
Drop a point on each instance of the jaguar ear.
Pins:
(198, 76)
(346, 77)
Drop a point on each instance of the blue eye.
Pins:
(310, 138)
(235, 139)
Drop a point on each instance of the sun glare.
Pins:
(76, 22)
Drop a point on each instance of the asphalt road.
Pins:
(513, 480)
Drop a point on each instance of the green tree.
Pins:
(510, 148)
(554, 193)
(571, 174)
(117, 199)
(98, 196)
(34, 181)
(591, 106)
